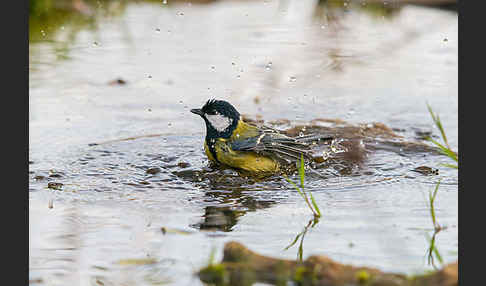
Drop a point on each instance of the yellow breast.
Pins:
(248, 161)
(208, 153)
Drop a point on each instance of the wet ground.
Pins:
(120, 192)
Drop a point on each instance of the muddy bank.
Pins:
(241, 266)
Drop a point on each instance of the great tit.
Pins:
(232, 142)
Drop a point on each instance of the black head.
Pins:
(221, 118)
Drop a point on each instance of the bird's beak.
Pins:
(197, 111)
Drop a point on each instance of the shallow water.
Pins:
(272, 60)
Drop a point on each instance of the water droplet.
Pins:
(238, 76)
(213, 67)
(180, 13)
(169, 124)
(301, 134)
(292, 79)
(157, 30)
(149, 76)
(268, 66)
(96, 44)
(445, 40)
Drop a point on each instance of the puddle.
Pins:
(117, 168)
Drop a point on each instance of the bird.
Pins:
(234, 143)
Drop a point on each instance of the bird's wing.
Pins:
(273, 143)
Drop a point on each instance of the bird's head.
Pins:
(220, 116)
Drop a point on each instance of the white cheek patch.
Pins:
(219, 122)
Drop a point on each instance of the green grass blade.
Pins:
(295, 186)
(429, 250)
(450, 165)
(432, 196)
(301, 249)
(312, 205)
(293, 242)
(315, 205)
(302, 171)
(437, 255)
(438, 123)
(433, 251)
(444, 150)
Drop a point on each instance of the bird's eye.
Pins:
(211, 112)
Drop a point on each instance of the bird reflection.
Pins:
(230, 206)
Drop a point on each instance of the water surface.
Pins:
(272, 60)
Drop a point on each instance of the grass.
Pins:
(432, 251)
(432, 196)
(301, 235)
(311, 203)
(445, 149)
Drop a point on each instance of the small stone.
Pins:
(118, 81)
(424, 170)
(54, 185)
(183, 164)
(153, 170)
(55, 175)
